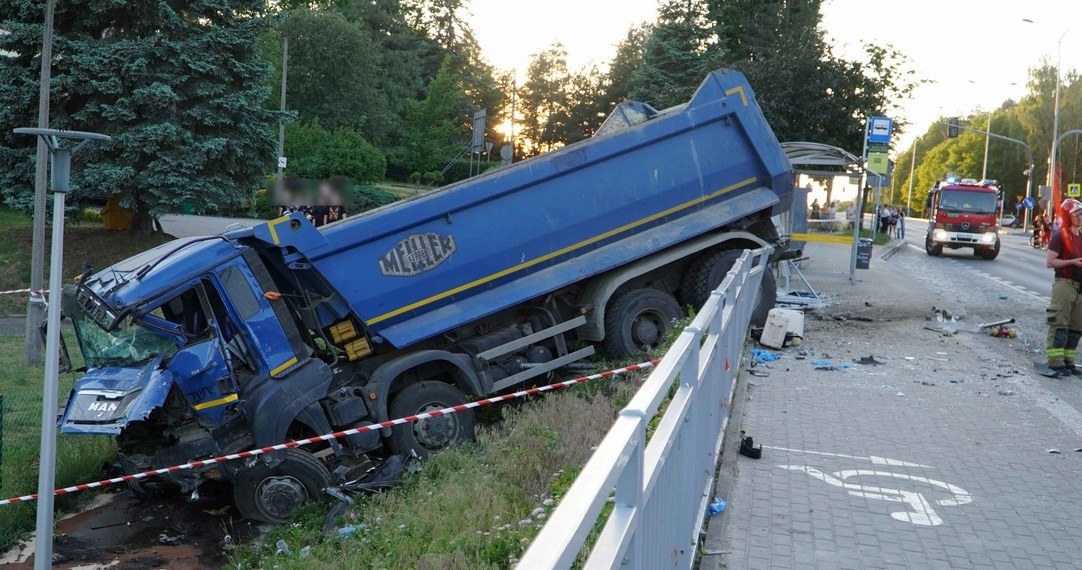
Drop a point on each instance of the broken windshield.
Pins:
(129, 344)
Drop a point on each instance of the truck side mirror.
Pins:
(65, 358)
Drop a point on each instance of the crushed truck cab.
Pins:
(212, 345)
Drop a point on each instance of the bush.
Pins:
(415, 177)
(318, 153)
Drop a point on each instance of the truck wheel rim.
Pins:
(647, 328)
(435, 433)
(280, 495)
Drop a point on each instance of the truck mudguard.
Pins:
(386, 373)
(276, 403)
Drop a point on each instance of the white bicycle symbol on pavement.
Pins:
(921, 509)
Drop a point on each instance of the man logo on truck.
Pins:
(416, 254)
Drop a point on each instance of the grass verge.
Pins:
(78, 458)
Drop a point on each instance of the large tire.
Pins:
(428, 436)
(705, 274)
(990, 253)
(269, 494)
(934, 250)
(637, 321)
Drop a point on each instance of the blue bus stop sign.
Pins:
(879, 130)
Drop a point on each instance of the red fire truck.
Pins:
(963, 214)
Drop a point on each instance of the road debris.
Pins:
(1006, 392)
(869, 360)
(762, 356)
(282, 548)
(715, 508)
(900, 394)
(164, 538)
(1053, 451)
(748, 448)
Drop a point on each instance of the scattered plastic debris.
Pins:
(900, 394)
(350, 530)
(1079, 450)
(1053, 451)
(305, 552)
(761, 355)
(828, 365)
(869, 360)
(1006, 392)
(715, 508)
(757, 372)
(937, 359)
(164, 538)
(283, 548)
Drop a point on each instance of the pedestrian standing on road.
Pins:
(901, 223)
(1064, 313)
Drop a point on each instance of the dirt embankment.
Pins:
(124, 533)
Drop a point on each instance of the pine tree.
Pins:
(674, 61)
(176, 83)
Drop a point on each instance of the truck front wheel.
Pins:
(637, 322)
(433, 434)
(931, 248)
(269, 494)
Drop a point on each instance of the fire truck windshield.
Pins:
(967, 201)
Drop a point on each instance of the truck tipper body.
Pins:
(212, 345)
(963, 215)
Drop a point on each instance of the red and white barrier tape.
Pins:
(336, 435)
(32, 292)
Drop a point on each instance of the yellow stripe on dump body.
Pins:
(560, 252)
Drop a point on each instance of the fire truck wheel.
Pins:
(934, 250)
(706, 273)
(989, 253)
(269, 494)
(637, 321)
(427, 436)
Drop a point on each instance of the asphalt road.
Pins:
(1018, 266)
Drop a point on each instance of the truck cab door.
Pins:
(202, 367)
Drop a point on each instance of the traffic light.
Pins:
(952, 127)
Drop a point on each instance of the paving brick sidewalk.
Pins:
(935, 459)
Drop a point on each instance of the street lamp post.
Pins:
(1052, 176)
(61, 184)
(912, 167)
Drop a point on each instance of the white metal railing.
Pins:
(662, 486)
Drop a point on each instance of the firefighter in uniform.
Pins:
(1065, 311)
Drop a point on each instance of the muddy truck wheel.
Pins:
(637, 322)
(428, 436)
(269, 494)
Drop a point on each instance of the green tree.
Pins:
(334, 71)
(434, 128)
(673, 55)
(620, 80)
(177, 84)
(544, 102)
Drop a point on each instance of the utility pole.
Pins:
(987, 136)
(281, 121)
(35, 307)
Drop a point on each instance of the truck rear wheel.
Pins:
(706, 274)
(427, 436)
(269, 494)
(637, 321)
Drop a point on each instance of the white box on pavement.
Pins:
(777, 324)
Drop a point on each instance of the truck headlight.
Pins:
(939, 235)
(988, 237)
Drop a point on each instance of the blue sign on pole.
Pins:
(1029, 202)
(879, 129)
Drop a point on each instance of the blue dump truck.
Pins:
(213, 345)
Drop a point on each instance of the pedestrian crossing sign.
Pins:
(1074, 190)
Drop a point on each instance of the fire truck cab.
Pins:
(962, 214)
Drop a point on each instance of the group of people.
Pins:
(892, 221)
(1042, 230)
(1064, 313)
